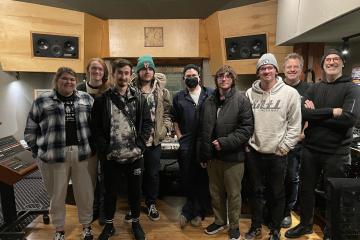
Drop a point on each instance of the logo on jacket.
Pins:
(267, 105)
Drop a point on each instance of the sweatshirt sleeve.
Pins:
(293, 129)
(314, 114)
(350, 109)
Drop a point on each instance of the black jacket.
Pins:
(232, 127)
(101, 117)
(324, 132)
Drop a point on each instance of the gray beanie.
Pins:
(267, 58)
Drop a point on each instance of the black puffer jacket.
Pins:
(232, 127)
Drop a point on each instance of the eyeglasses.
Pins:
(269, 68)
(222, 76)
(335, 60)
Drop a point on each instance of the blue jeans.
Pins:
(267, 174)
(292, 178)
(151, 176)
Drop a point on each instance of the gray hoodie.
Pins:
(277, 117)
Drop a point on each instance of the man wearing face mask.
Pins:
(331, 108)
(187, 104)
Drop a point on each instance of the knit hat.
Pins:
(145, 61)
(331, 51)
(191, 66)
(267, 58)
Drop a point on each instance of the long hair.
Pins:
(226, 70)
(105, 78)
(60, 72)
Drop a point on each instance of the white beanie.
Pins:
(267, 58)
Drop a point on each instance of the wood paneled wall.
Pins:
(242, 21)
(18, 20)
(181, 38)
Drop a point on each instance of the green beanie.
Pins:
(145, 61)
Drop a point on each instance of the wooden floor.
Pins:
(166, 228)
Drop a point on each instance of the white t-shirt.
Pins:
(195, 95)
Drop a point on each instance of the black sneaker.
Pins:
(253, 233)
(59, 235)
(138, 231)
(153, 213)
(87, 233)
(274, 235)
(214, 228)
(107, 232)
(128, 217)
(234, 234)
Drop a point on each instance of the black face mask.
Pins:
(191, 82)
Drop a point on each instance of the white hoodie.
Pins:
(277, 117)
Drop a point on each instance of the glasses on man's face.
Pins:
(334, 59)
(223, 76)
(264, 68)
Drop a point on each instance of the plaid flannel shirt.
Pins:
(45, 127)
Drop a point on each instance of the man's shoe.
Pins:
(214, 228)
(253, 233)
(196, 221)
(138, 231)
(183, 221)
(128, 217)
(107, 232)
(274, 235)
(153, 213)
(298, 231)
(286, 222)
(234, 234)
(87, 234)
(59, 235)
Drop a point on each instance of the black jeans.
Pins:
(292, 178)
(312, 163)
(151, 174)
(112, 177)
(267, 175)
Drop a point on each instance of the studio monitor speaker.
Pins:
(55, 46)
(245, 47)
(343, 208)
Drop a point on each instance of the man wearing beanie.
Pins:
(187, 105)
(158, 99)
(331, 108)
(277, 117)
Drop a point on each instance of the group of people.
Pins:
(281, 132)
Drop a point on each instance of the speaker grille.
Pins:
(55, 46)
(245, 47)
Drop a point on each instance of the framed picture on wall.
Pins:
(38, 92)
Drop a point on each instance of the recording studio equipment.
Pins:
(15, 164)
(343, 208)
(245, 47)
(55, 46)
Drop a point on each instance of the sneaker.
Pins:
(59, 235)
(286, 222)
(128, 217)
(274, 235)
(214, 228)
(253, 233)
(183, 221)
(153, 213)
(138, 231)
(234, 234)
(107, 232)
(87, 233)
(196, 221)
